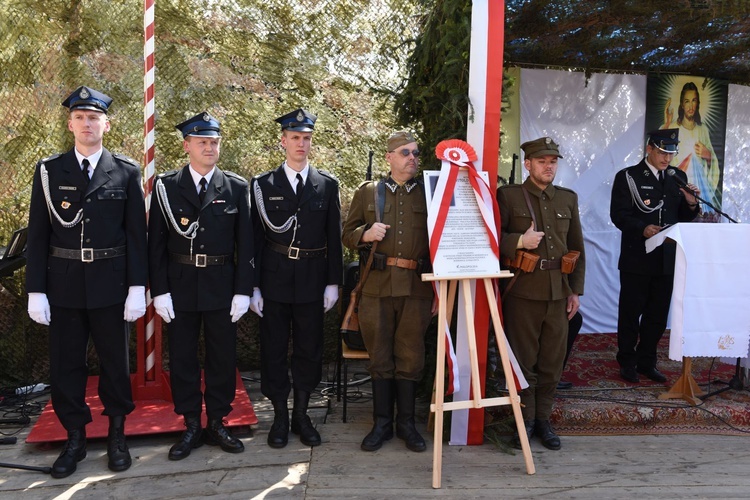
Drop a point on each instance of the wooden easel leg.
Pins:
(685, 388)
(504, 357)
(476, 385)
(453, 285)
(437, 447)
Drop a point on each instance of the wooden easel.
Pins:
(685, 388)
(439, 406)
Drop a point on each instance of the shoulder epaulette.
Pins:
(264, 174)
(126, 159)
(325, 173)
(169, 173)
(50, 158)
(364, 183)
(561, 188)
(235, 176)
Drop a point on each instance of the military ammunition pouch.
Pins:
(569, 261)
(524, 261)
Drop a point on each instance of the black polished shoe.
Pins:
(118, 454)
(73, 452)
(189, 440)
(629, 374)
(216, 434)
(653, 374)
(278, 436)
(550, 440)
(301, 423)
(563, 385)
(529, 424)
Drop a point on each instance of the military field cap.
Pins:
(202, 124)
(399, 139)
(665, 139)
(544, 146)
(87, 98)
(299, 120)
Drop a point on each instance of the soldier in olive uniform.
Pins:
(645, 200)
(297, 224)
(201, 264)
(396, 305)
(86, 263)
(542, 219)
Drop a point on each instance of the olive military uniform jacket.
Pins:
(224, 230)
(405, 210)
(302, 280)
(631, 220)
(556, 211)
(114, 215)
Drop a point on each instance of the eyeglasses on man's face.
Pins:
(406, 152)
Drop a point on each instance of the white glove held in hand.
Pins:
(330, 296)
(163, 306)
(256, 302)
(39, 308)
(240, 305)
(135, 304)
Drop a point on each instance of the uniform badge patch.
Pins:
(65, 205)
(184, 221)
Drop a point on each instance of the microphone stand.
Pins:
(735, 383)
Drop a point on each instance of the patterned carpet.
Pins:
(601, 403)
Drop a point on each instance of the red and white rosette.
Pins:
(456, 155)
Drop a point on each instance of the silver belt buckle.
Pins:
(293, 253)
(200, 260)
(543, 264)
(87, 255)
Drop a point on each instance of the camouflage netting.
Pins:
(244, 61)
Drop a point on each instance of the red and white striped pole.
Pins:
(150, 352)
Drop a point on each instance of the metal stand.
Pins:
(735, 383)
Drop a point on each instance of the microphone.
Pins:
(673, 173)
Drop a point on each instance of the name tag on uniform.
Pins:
(647, 187)
(275, 198)
(67, 188)
(219, 201)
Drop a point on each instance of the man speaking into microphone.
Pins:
(646, 198)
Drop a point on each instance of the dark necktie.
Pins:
(661, 177)
(85, 169)
(202, 192)
(300, 186)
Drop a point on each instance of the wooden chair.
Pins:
(345, 354)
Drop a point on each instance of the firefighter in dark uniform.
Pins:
(201, 268)
(86, 263)
(640, 207)
(396, 305)
(297, 224)
(542, 219)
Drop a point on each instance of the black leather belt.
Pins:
(547, 265)
(295, 252)
(87, 254)
(200, 259)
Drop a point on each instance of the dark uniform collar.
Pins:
(393, 185)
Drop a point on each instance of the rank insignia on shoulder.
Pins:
(184, 221)
(65, 205)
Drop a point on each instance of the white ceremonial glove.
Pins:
(39, 308)
(135, 304)
(163, 306)
(256, 302)
(240, 305)
(330, 296)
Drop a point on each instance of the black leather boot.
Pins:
(547, 435)
(529, 425)
(73, 452)
(278, 436)
(117, 449)
(216, 434)
(382, 415)
(301, 423)
(189, 440)
(406, 394)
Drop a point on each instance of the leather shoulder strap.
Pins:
(531, 210)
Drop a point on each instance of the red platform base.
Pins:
(151, 416)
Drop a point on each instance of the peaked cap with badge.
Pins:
(299, 120)
(544, 146)
(665, 139)
(201, 125)
(88, 98)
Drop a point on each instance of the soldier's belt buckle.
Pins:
(293, 253)
(200, 260)
(87, 255)
(543, 264)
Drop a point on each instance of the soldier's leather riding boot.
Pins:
(382, 415)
